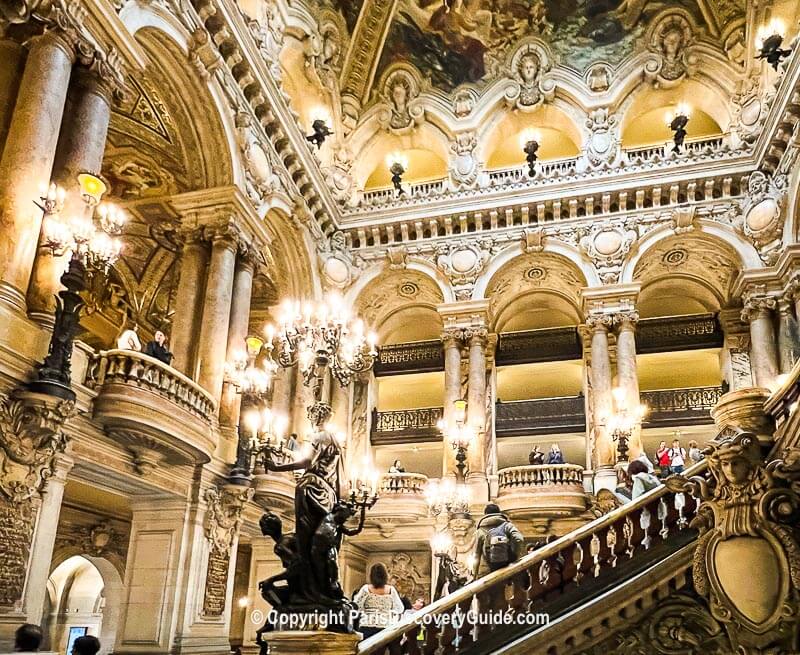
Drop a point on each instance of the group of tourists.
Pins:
(29, 637)
(675, 458)
(156, 347)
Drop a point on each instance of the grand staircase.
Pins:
(565, 597)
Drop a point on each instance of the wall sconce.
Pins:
(769, 40)
(398, 165)
(321, 131)
(622, 423)
(677, 121)
(529, 141)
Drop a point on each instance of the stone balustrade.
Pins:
(403, 483)
(543, 490)
(159, 413)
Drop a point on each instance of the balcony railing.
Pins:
(690, 406)
(549, 345)
(548, 489)
(404, 484)
(414, 357)
(405, 425)
(678, 333)
(141, 400)
(540, 416)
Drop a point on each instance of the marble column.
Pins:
(189, 302)
(452, 388)
(787, 335)
(627, 375)
(735, 355)
(283, 392)
(216, 313)
(239, 326)
(763, 348)
(12, 55)
(476, 402)
(44, 539)
(81, 144)
(600, 379)
(28, 160)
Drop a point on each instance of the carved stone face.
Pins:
(736, 469)
(672, 44)
(528, 68)
(399, 96)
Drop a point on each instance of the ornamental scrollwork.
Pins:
(762, 215)
(528, 69)
(462, 261)
(224, 515)
(748, 519)
(30, 437)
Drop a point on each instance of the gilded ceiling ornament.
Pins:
(463, 103)
(340, 176)
(401, 112)
(748, 521)
(599, 78)
(762, 214)
(461, 261)
(261, 180)
(464, 167)
(527, 69)
(337, 263)
(607, 245)
(670, 41)
(267, 30)
(602, 146)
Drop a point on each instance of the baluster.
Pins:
(663, 513)
(627, 533)
(544, 573)
(644, 524)
(680, 503)
(611, 542)
(594, 551)
(577, 559)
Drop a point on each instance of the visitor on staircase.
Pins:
(378, 601)
(499, 542)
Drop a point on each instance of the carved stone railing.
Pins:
(540, 416)
(688, 406)
(547, 489)
(414, 357)
(703, 145)
(548, 345)
(544, 170)
(403, 484)
(416, 190)
(404, 425)
(152, 406)
(570, 569)
(678, 333)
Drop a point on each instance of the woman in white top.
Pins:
(378, 601)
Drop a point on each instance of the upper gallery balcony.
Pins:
(401, 495)
(158, 413)
(547, 489)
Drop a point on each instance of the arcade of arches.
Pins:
(555, 288)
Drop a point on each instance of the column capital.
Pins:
(100, 73)
(626, 319)
(758, 306)
(225, 234)
(476, 335)
(452, 336)
(600, 322)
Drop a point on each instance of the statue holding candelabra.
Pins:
(322, 342)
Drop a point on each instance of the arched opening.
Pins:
(84, 598)
(556, 133)
(421, 166)
(646, 123)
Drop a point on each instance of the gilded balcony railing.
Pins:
(600, 550)
(691, 405)
(540, 476)
(414, 357)
(547, 345)
(404, 484)
(540, 416)
(678, 333)
(141, 371)
(406, 425)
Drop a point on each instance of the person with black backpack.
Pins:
(499, 542)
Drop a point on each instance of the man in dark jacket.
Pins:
(157, 348)
(499, 542)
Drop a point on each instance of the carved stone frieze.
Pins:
(528, 68)
(337, 263)
(222, 521)
(464, 167)
(762, 214)
(461, 261)
(602, 145)
(607, 245)
(407, 575)
(401, 109)
(670, 43)
(748, 521)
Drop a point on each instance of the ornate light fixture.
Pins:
(677, 120)
(529, 140)
(321, 337)
(448, 498)
(249, 378)
(769, 40)
(261, 434)
(460, 437)
(93, 251)
(398, 165)
(363, 486)
(623, 422)
(321, 131)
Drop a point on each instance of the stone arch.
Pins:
(552, 246)
(385, 293)
(541, 281)
(73, 573)
(416, 264)
(293, 256)
(700, 262)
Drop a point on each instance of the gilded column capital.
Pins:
(626, 319)
(476, 335)
(452, 336)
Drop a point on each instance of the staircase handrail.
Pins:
(464, 596)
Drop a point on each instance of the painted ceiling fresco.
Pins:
(453, 42)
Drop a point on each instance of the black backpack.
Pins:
(496, 546)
